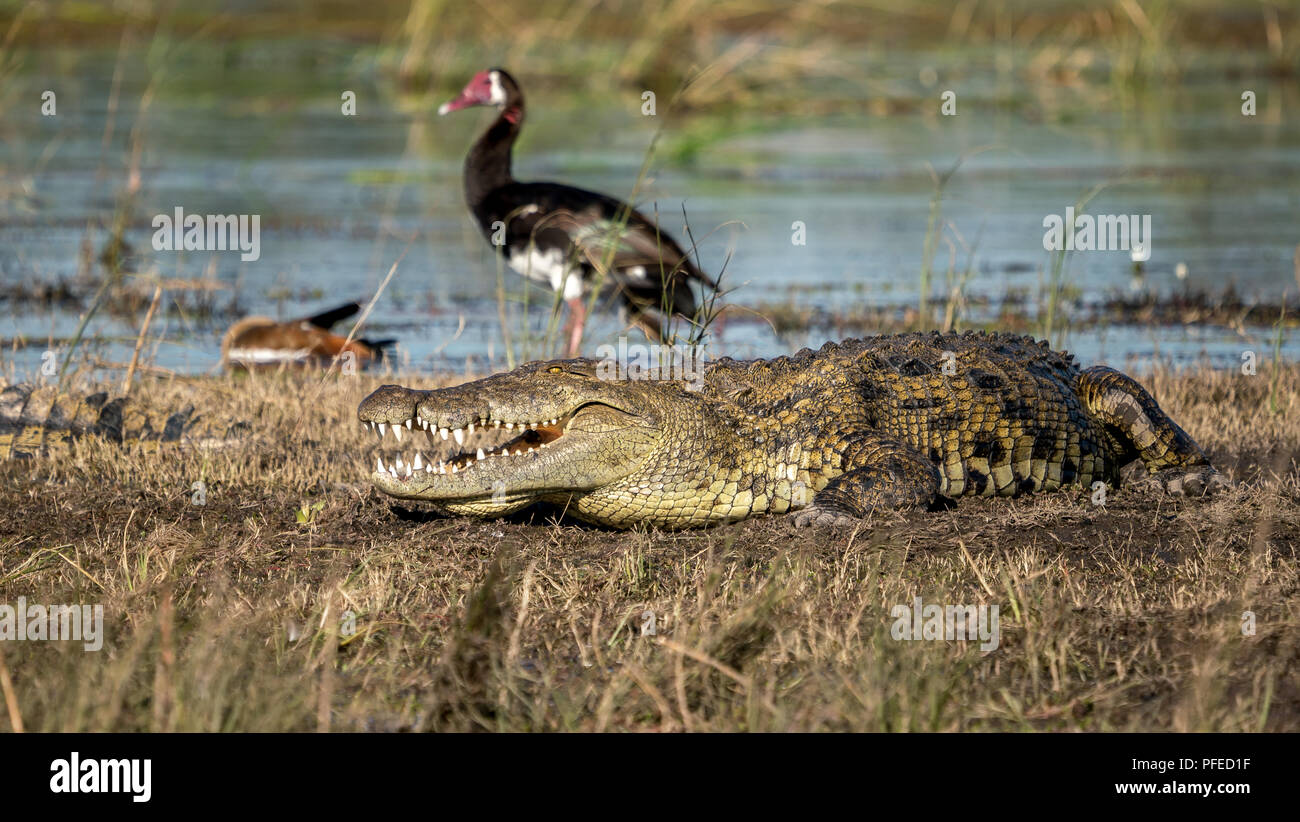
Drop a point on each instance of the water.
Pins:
(256, 128)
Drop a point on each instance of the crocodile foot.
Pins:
(1189, 481)
(816, 516)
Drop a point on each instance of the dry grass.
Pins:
(226, 616)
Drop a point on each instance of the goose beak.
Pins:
(483, 90)
(465, 99)
(453, 105)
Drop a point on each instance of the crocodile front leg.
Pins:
(877, 473)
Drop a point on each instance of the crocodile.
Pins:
(34, 421)
(888, 422)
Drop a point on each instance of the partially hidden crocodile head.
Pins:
(547, 431)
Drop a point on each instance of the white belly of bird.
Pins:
(261, 356)
(551, 267)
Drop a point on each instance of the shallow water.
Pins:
(256, 129)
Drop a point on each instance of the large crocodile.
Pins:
(891, 421)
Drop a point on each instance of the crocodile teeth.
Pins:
(496, 423)
(459, 434)
(454, 468)
(379, 465)
(510, 426)
(442, 432)
(480, 453)
(408, 425)
(419, 463)
(382, 427)
(505, 452)
(397, 432)
(471, 429)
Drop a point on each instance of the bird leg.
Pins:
(576, 322)
(719, 325)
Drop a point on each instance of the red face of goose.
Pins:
(484, 89)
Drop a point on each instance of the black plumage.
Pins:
(568, 237)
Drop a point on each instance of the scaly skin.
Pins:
(890, 421)
(29, 426)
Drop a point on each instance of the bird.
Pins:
(261, 342)
(567, 237)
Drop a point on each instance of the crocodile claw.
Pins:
(815, 516)
(1193, 481)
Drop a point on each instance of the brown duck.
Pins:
(261, 342)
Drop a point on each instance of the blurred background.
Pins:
(768, 114)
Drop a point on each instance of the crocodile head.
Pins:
(549, 431)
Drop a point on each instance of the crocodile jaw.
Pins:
(507, 479)
(507, 448)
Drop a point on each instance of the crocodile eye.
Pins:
(555, 369)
